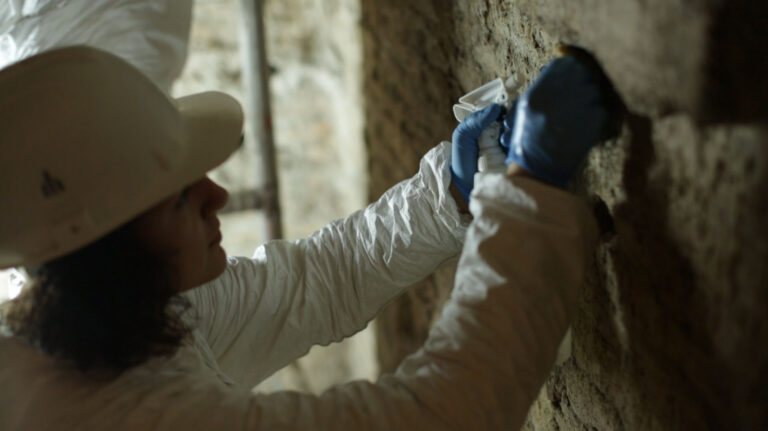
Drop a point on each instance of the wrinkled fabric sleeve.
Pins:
(270, 309)
(486, 358)
(488, 355)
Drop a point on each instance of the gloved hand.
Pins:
(556, 121)
(465, 150)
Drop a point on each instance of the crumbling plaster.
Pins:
(673, 318)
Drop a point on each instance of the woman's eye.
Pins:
(182, 199)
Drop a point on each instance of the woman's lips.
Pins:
(216, 240)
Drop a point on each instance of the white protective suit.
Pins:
(150, 34)
(480, 369)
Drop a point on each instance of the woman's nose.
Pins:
(216, 196)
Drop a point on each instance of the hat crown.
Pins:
(85, 140)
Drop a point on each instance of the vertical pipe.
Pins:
(256, 81)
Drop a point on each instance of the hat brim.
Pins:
(92, 143)
(212, 128)
(211, 125)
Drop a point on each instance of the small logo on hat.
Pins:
(52, 186)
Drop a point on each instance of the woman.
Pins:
(136, 319)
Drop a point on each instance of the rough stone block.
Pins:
(672, 317)
(703, 58)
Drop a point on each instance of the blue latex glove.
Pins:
(464, 149)
(556, 122)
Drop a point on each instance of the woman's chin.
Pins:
(221, 256)
(212, 269)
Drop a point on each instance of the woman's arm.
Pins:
(488, 355)
(268, 310)
(524, 258)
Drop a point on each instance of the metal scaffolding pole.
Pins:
(256, 82)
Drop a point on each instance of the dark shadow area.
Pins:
(672, 355)
(736, 90)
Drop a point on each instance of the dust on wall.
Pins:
(673, 318)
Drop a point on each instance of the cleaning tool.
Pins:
(499, 91)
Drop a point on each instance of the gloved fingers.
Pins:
(505, 141)
(509, 119)
(562, 78)
(465, 149)
(568, 68)
(594, 120)
(485, 117)
(558, 119)
(507, 126)
(469, 131)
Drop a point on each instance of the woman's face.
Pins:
(183, 229)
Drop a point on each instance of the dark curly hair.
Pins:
(104, 308)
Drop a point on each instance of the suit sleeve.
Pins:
(486, 358)
(268, 310)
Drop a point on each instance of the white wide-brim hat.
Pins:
(87, 142)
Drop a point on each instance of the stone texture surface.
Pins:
(701, 57)
(315, 51)
(673, 317)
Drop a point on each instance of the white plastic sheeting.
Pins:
(151, 34)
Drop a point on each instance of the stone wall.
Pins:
(673, 319)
